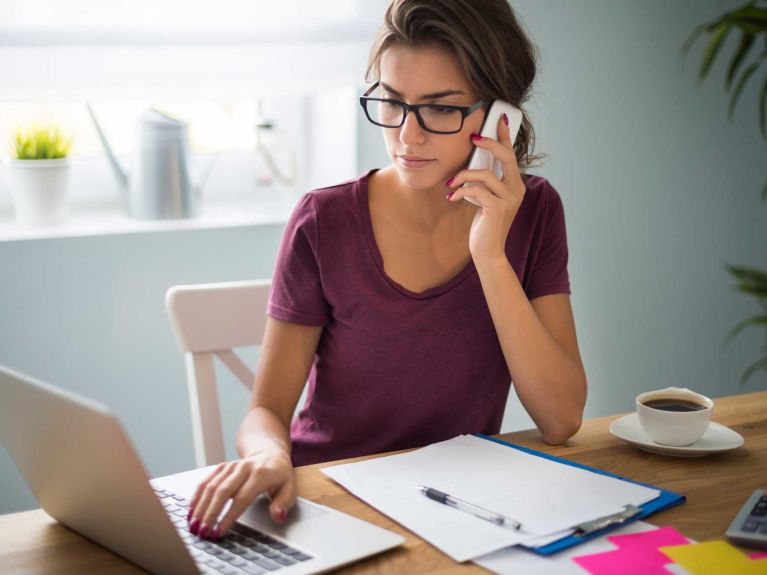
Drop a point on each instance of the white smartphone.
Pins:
(482, 159)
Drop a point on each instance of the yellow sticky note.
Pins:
(715, 558)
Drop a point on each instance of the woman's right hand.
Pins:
(241, 481)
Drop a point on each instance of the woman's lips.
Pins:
(413, 161)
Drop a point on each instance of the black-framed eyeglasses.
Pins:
(434, 118)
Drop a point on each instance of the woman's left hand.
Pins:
(499, 199)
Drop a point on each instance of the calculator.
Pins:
(750, 524)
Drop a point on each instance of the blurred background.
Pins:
(659, 189)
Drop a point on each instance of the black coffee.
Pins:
(674, 404)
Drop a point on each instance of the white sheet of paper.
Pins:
(544, 495)
(550, 538)
(516, 560)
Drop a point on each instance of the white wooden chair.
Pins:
(210, 320)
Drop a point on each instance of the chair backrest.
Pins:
(210, 320)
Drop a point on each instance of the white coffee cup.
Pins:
(674, 428)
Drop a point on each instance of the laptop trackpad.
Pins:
(258, 513)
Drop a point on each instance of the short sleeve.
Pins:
(549, 271)
(296, 295)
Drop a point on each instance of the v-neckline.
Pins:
(375, 252)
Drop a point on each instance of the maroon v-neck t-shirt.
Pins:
(396, 369)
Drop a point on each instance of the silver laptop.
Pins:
(81, 466)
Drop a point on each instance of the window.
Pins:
(223, 66)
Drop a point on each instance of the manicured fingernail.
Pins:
(204, 530)
(449, 182)
(476, 137)
(281, 515)
(505, 119)
(189, 515)
(450, 195)
(216, 533)
(194, 526)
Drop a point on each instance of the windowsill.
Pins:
(109, 219)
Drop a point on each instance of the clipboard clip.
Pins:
(587, 527)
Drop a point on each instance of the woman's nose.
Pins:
(411, 131)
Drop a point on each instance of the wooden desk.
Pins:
(716, 486)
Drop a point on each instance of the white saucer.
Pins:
(717, 438)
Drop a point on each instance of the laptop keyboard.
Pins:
(242, 550)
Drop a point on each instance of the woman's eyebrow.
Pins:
(434, 96)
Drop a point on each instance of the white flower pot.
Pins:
(39, 190)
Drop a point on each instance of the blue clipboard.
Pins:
(665, 500)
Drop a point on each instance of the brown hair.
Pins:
(492, 48)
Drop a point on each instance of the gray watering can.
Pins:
(161, 184)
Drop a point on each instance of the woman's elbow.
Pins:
(563, 432)
(570, 422)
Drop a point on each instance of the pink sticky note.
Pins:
(637, 554)
(758, 555)
(653, 539)
(629, 561)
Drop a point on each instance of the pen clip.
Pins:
(587, 527)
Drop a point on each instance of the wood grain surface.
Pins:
(716, 486)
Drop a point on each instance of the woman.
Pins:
(409, 309)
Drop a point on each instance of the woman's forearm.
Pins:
(550, 384)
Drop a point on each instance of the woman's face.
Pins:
(424, 160)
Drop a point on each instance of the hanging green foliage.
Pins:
(750, 22)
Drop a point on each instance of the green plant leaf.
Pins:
(750, 18)
(754, 287)
(746, 42)
(692, 38)
(756, 366)
(747, 273)
(760, 293)
(706, 27)
(751, 281)
(41, 143)
(713, 46)
(755, 321)
(739, 87)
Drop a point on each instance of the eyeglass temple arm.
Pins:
(370, 90)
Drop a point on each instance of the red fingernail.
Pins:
(450, 195)
(194, 526)
(449, 182)
(204, 530)
(214, 536)
(476, 137)
(281, 514)
(505, 119)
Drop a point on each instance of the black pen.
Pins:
(467, 507)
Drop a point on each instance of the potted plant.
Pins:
(750, 22)
(39, 175)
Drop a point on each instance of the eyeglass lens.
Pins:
(433, 117)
